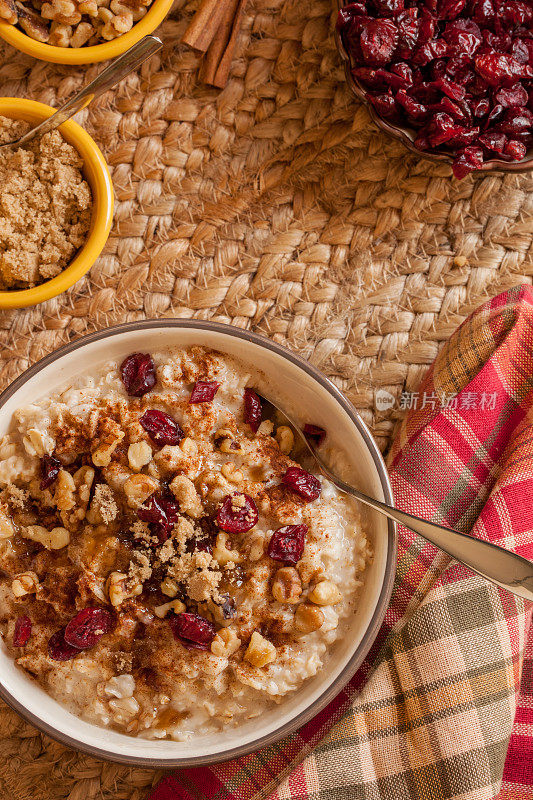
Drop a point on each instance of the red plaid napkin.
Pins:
(448, 709)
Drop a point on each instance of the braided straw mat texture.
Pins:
(274, 205)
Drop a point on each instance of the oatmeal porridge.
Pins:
(168, 566)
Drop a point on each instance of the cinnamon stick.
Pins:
(218, 45)
(222, 73)
(205, 24)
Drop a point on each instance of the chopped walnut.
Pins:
(286, 586)
(185, 493)
(285, 439)
(119, 588)
(52, 540)
(65, 487)
(139, 455)
(25, 583)
(325, 593)
(6, 526)
(225, 643)
(308, 618)
(71, 23)
(138, 488)
(110, 438)
(175, 605)
(222, 554)
(260, 651)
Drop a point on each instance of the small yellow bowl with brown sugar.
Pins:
(94, 53)
(97, 176)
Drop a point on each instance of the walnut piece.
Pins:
(286, 586)
(185, 493)
(325, 593)
(225, 643)
(308, 618)
(25, 583)
(260, 651)
(52, 540)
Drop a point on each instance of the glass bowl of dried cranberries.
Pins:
(451, 79)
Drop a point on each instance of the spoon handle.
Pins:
(506, 569)
(111, 75)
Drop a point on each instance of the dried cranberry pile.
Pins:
(457, 71)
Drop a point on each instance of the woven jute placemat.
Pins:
(274, 205)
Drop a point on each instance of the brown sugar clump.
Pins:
(45, 206)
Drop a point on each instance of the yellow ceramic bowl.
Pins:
(99, 179)
(87, 55)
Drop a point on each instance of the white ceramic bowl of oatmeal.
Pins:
(305, 625)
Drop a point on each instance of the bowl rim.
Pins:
(87, 55)
(102, 202)
(402, 134)
(330, 692)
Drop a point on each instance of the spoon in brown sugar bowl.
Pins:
(505, 569)
(110, 76)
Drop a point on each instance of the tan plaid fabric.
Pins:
(455, 670)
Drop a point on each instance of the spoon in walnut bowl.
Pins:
(500, 566)
(110, 76)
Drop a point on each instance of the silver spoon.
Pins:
(498, 565)
(111, 75)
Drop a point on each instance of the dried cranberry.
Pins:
(414, 110)
(493, 141)
(379, 38)
(463, 36)
(429, 51)
(302, 483)
(522, 50)
(391, 79)
(464, 137)
(59, 649)
(287, 543)
(313, 432)
(513, 96)
(192, 630)
(252, 409)
(449, 9)
(498, 69)
(483, 11)
(88, 626)
(480, 108)
(441, 128)
(453, 90)
(161, 428)
(138, 374)
(161, 512)
(50, 467)
(468, 160)
(516, 150)
(408, 26)
(204, 391)
(204, 538)
(428, 26)
(514, 12)
(517, 123)
(385, 104)
(449, 64)
(22, 631)
(388, 7)
(237, 514)
(405, 72)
